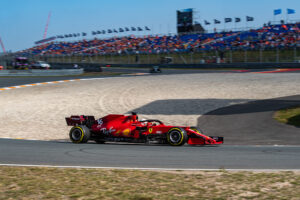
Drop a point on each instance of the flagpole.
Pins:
(214, 27)
(234, 24)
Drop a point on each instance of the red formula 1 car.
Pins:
(122, 128)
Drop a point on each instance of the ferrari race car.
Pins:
(123, 128)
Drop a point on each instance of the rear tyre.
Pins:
(79, 134)
(177, 136)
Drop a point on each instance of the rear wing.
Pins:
(76, 120)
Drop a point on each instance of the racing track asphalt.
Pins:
(239, 124)
(14, 81)
(23, 152)
(252, 123)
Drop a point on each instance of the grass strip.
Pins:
(67, 183)
(289, 116)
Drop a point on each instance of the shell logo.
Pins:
(126, 132)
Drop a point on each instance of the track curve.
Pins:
(175, 99)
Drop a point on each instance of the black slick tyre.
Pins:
(177, 136)
(79, 134)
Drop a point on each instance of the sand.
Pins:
(39, 112)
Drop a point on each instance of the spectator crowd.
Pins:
(267, 37)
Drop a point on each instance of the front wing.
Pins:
(197, 138)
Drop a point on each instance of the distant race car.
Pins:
(155, 69)
(122, 128)
(40, 65)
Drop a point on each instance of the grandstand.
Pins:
(269, 37)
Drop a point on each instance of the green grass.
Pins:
(289, 116)
(66, 183)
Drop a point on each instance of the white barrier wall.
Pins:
(38, 72)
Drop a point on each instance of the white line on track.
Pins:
(147, 168)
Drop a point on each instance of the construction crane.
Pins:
(2, 45)
(46, 28)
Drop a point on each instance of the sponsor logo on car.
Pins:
(107, 131)
(126, 132)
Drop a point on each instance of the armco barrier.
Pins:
(88, 67)
(215, 65)
(97, 67)
(37, 72)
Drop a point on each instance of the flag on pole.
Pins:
(249, 19)
(277, 11)
(227, 20)
(127, 29)
(217, 21)
(206, 22)
(291, 11)
(147, 28)
(237, 19)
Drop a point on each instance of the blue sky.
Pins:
(22, 22)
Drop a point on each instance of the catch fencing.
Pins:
(291, 55)
(277, 55)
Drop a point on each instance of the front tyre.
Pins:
(79, 134)
(198, 130)
(177, 136)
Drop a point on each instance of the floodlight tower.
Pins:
(46, 28)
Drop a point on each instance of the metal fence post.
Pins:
(203, 55)
(295, 54)
(277, 55)
(260, 55)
